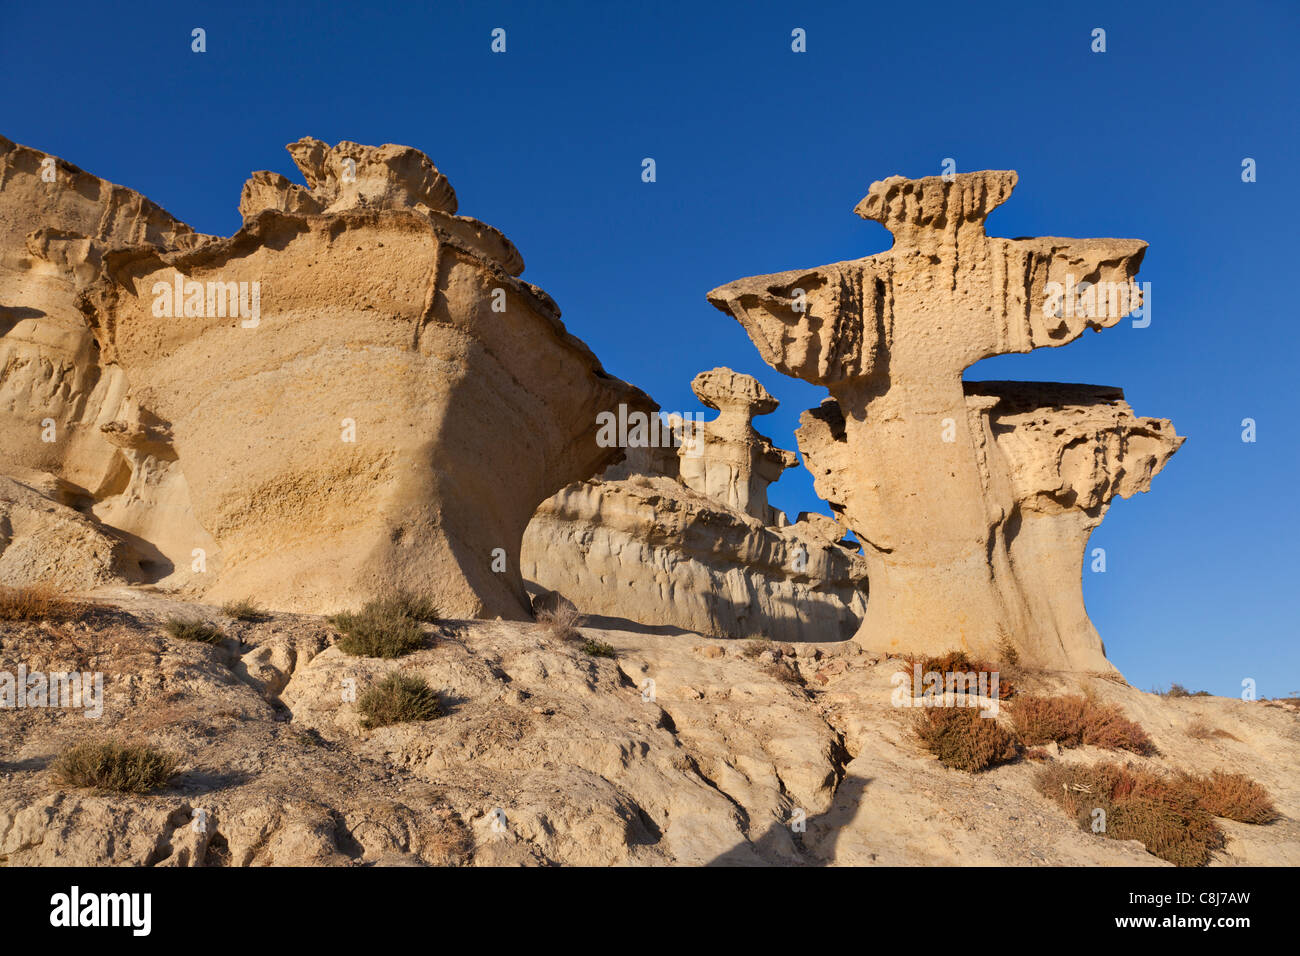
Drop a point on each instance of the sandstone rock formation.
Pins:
(64, 412)
(45, 541)
(727, 459)
(362, 392)
(972, 502)
(688, 540)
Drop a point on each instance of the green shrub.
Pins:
(596, 648)
(397, 699)
(963, 740)
(385, 627)
(415, 606)
(193, 630)
(124, 768)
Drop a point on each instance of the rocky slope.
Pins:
(679, 750)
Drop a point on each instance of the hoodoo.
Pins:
(973, 501)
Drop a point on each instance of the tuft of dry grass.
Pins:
(1233, 796)
(385, 627)
(192, 630)
(115, 766)
(1198, 729)
(561, 623)
(451, 842)
(37, 602)
(783, 673)
(1072, 721)
(963, 740)
(398, 699)
(1157, 811)
(243, 610)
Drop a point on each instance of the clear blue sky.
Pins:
(762, 154)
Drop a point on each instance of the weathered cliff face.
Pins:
(690, 542)
(648, 550)
(362, 393)
(66, 416)
(949, 497)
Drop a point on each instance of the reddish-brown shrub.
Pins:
(963, 740)
(1075, 720)
(1160, 812)
(1233, 796)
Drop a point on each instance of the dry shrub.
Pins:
(963, 740)
(37, 602)
(960, 662)
(783, 673)
(451, 842)
(1178, 690)
(1041, 720)
(1008, 654)
(1233, 796)
(1159, 812)
(754, 647)
(398, 699)
(561, 623)
(1075, 720)
(123, 768)
(1198, 729)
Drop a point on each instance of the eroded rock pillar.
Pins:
(911, 458)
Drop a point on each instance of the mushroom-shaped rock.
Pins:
(727, 459)
(906, 454)
(363, 395)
